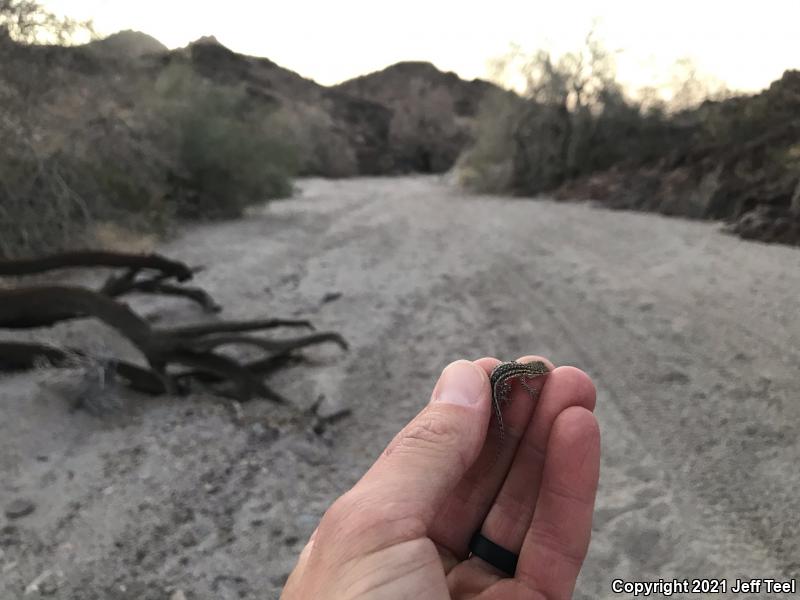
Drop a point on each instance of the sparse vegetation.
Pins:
(60, 178)
(125, 134)
(229, 153)
(38, 209)
(180, 146)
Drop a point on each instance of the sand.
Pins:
(691, 336)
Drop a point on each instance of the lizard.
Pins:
(500, 381)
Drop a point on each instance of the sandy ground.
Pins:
(691, 336)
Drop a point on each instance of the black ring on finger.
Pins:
(494, 554)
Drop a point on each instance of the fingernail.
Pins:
(461, 383)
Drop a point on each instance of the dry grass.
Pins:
(113, 236)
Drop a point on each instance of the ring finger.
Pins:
(511, 514)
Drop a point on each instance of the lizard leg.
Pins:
(505, 393)
(529, 387)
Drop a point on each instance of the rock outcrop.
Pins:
(432, 113)
(127, 44)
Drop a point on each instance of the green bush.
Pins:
(227, 151)
(38, 212)
(487, 165)
(322, 148)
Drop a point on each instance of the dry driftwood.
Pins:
(156, 271)
(23, 356)
(95, 258)
(116, 286)
(175, 356)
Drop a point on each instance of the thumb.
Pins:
(426, 460)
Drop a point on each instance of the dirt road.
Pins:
(692, 337)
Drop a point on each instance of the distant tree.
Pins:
(574, 118)
(567, 97)
(689, 87)
(29, 22)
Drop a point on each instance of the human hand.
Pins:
(404, 529)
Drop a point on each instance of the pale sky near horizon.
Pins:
(746, 45)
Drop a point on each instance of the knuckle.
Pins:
(432, 434)
(341, 510)
(430, 431)
(351, 510)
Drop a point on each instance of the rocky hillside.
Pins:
(408, 118)
(127, 44)
(432, 113)
(736, 160)
(337, 135)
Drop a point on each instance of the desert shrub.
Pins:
(53, 193)
(487, 166)
(227, 150)
(38, 211)
(138, 157)
(58, 176)
(320, 147)
(623, 131)
(65, 169)
(120, 179)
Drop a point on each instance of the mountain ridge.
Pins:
(127, 43)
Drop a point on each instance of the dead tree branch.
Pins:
(175, 357)
(21, 356)
(94, 258)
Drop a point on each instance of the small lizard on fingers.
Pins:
(500, 380)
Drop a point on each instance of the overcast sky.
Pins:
(745, 44)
